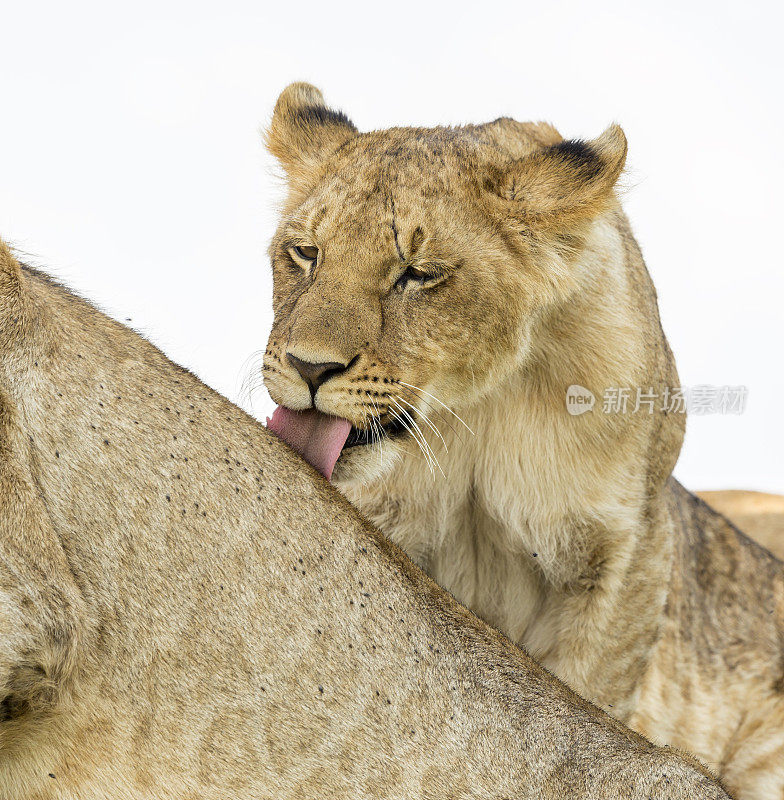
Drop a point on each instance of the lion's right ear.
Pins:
(304, 131)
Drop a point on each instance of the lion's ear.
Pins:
(569, 180)
(304, 131)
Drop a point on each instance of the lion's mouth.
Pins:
(320, 438)
(371, 435)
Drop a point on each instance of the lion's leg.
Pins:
(597, 629)
(753, 765)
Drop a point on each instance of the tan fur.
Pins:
(187, 611)
(757, 514)
(567, 533)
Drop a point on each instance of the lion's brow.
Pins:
(393, 223)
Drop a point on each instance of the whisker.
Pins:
(413, 436)
(458, 433)
(426, 443)
(381, 435)
(252, 384)
(247, 364)
(456, 416)
(378, 429)
(426, 420)
(248, 372)
(249, 386)
(428, 449)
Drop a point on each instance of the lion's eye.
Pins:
(412, 275)
(304, 254)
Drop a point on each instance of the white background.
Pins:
(131, 165)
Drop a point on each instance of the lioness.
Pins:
(436, 293)
(188, 611)
(757, 514)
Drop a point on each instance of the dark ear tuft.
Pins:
(568, 180)
(304, 131)
(579, 155)
(321, 115)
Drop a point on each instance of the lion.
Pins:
(438, 293)
(187, 610)
(758, 514)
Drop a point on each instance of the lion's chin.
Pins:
(364, 464)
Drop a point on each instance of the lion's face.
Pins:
(402, 284)
(397, 280)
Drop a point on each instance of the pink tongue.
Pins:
(317, 437)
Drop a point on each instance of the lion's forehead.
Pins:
(408, 158)
(380, 211)
(384, 190)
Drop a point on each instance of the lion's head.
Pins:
(412, 264)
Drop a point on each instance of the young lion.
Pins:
(758, 515)
(436, 293)
(187, 611)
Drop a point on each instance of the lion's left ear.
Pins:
(304, 131)
(567, 181)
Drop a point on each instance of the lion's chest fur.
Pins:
(525, 538)
(474, 555)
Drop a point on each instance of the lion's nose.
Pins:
(314, 374)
